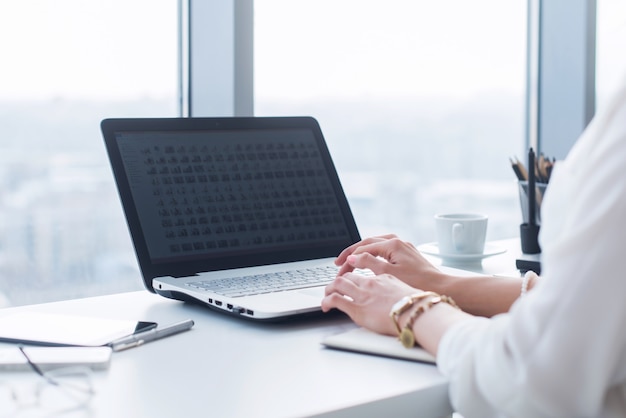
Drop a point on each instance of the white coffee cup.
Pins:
(461, 233)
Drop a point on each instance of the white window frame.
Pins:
(216, 58)
(560, 73)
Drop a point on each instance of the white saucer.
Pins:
(433, 249)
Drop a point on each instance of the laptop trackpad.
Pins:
(317, 292)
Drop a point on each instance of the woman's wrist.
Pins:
(407, 303)
(445, 284)
(528, 282)
(408, 310)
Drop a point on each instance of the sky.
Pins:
(390, 48)
(88, 48)
(313, 48)
(611, 33)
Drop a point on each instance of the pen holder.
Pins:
(529, 235)
(529, 232)
(540, 189)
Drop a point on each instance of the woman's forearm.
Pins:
(433, 324)
(481, 295)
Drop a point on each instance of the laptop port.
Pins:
(210, 300)
(229, 306)
(218, 302)
(250, 312)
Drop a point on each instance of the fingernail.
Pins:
(351, 259)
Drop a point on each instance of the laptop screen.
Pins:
(229, 197)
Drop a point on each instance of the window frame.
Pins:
(217, 60)
(561, 59)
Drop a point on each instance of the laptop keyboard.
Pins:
(269, 282)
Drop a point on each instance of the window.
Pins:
(67, 65)
(611, 42)
(422, 103)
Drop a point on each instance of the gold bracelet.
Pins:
(406, 336)
(404, 304)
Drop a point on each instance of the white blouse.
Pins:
(561, 350)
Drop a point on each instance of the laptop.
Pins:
(244, 215)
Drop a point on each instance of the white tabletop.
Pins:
(229, 367)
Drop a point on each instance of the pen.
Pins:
(532, 201)
(151, 335)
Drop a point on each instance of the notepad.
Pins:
(67, 330)
(361, 340)
(49, 358)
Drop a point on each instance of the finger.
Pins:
(337, 301)
(342, 285)
(364, 261)
(341, 258)
(345, 268)
(388, 249)
(382, 249)
(369, 261)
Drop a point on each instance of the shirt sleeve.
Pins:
(560, 351)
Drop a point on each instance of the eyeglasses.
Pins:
(61, 390)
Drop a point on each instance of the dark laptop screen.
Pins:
(207, 194)
(217, 193)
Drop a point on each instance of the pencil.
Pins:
(516, 170)
(522, 169)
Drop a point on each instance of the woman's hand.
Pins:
(367, 300)
(388, 254)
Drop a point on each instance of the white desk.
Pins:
(228, 367)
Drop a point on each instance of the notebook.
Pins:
(361, 340)
(216, 206)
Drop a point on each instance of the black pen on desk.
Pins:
(151, 335)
